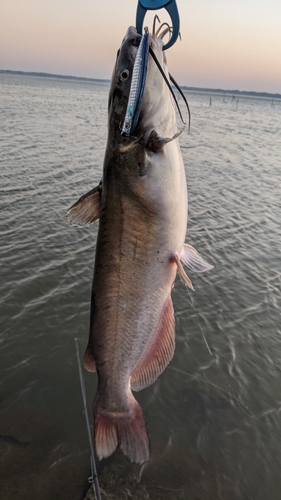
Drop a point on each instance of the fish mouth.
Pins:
(127, 53)
(133, 95)
(133, 38)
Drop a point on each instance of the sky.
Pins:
(227, 44)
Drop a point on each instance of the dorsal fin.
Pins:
(160, 353)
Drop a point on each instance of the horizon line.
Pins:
(106, 80)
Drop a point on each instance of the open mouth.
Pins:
(145, 45)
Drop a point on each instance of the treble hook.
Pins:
(171, 8)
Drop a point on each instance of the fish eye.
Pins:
(124, 75)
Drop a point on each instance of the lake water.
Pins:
(214, 416)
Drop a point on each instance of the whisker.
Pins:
(167, 81)
(183, 96)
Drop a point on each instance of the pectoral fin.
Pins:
(192, 259)
(182, 272)
(156, 143)
(87, 209)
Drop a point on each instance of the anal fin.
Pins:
(87, 209)
(159, 353)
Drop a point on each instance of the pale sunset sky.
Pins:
(228, 44)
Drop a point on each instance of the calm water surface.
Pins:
(214, 416)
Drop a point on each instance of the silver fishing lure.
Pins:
(137, 86)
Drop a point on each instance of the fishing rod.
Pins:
(93, 479)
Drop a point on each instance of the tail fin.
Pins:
(126, 429)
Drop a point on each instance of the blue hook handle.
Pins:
(171, 8)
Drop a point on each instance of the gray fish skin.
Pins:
(142, 228)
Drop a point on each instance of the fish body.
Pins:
(142, 207)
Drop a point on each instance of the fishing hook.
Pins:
(171, 8)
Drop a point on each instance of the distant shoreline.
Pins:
(243, 93)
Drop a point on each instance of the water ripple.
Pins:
(220, 395)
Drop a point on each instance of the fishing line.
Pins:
(242, 406)
(170, 88)
(166, 80)
(183, 96)
(195, 377)
(201, 329)
(94, 478)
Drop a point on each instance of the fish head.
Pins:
(122, 78)
(157, 109)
